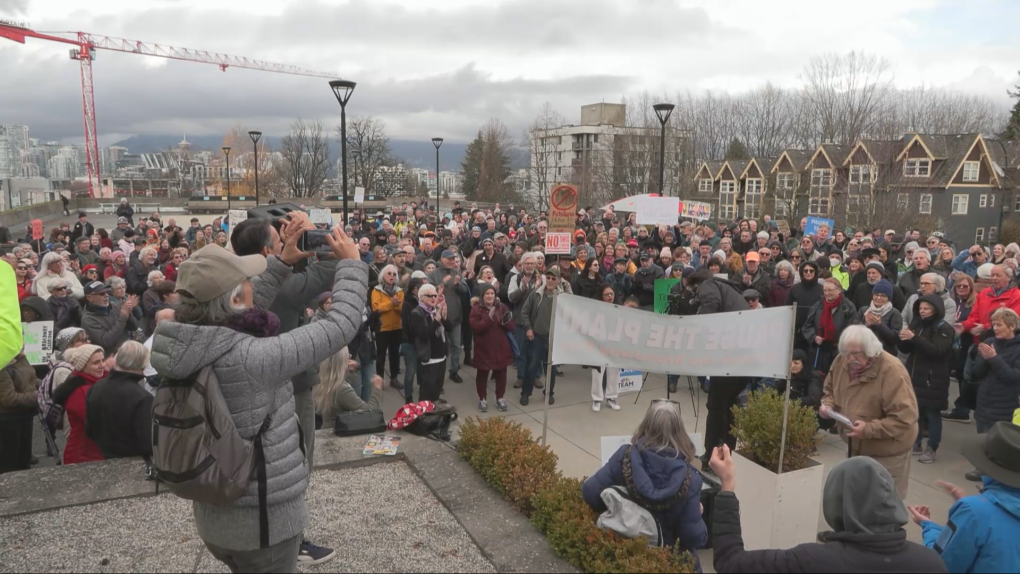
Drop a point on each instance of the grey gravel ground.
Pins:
(380, 518)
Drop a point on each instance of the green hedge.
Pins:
(525, 473)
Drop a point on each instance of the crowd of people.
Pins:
(884, 322)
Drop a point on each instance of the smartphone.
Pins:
(314, 240)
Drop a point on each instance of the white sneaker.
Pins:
(596, 406)
(612, 404)
(483, 406)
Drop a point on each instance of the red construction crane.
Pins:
(85, 46)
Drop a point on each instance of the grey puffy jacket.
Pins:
(254, 375)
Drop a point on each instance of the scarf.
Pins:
(431, 311)
(255, 322)
(390, 291)
(880, 311)
(826, 325)
(856, 372)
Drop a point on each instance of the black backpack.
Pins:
(435, 424)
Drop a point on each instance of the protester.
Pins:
(429, 337)
(859, 503)
(334, 395)
(881, 317)
(873, 390)
(87, 362)
(659, 471)
(825, 322)
(223, 321)
(493, 326)
(928, 341)
(804, 295)
(107, 324)
(536, 318)
(18, 403)
(387, 298)
(407, 348)
(995, 368)
(51, 269)
(118, 410)
(449, 276)
(983, 529)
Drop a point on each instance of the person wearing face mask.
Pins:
(804, 295)
(837, 270)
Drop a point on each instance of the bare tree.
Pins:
(305, 153)
(542, 149)
(764, 120)
(847, 94)
(243, 152)
(369, 149)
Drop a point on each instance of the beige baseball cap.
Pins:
(212, 271)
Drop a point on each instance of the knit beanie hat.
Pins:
(876, 266)
(65, 337)
(79, 356)
(666, 252)
(884, 287)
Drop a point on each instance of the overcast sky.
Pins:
(442, 67)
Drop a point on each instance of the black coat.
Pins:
(842, 317)
(888, 331)
(804, 296)
(118, 416)
(718, 296)
(998, 381)
(66, 312)
(841, 551)
(583, 286)
(500, 266)
(808, 387)
(931, 355)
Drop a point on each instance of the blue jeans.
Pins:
(363, 380)
(453, 337)
(410, 367)
(932, 419)
(521, 362)
(537, 356)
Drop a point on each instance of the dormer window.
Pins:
(704, 185)
(917, 168)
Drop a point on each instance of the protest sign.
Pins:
(739, 344)
(38, 338)
(631, 381)
(662, 288)
(654, 210)
(820, 228)
(562, 208)
(783, 226)
(236, 217)
(359, 195)
(696, 210)
(320, 216)
(557, 243)
(37, 229)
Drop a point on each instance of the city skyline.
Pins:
(443, 69)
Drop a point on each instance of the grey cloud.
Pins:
(13, 7)
(132, 97)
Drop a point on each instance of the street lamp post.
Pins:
(437, 142)
(663, 111)
(226, 154)
(255, 136)
(343, 89)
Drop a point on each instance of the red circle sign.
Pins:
(564, 198)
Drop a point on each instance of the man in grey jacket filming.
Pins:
(223, 322)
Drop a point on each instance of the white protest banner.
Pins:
(631, 381)
(740, 344)
(359, 195)
(38, 338)
(236, 217)
(658, 211)
(696, 210)
(320, 216)
(557, 243)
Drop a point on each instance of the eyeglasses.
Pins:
(22, 268)
(808, 271)
(795, 257)
(432, 296)
(59, 289)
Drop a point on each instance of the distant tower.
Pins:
(185, 145)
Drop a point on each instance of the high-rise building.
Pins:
(14, 147)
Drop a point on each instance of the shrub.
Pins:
(525, 474)
(759, 430)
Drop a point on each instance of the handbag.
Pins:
(359, 423)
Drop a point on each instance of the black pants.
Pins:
(431, 379)
(722, 396)
(467, 338)
(388, 341)
(15, 442)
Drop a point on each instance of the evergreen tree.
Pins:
(737, 150)
(1012, 131)
(471, 167)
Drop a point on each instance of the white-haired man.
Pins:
(873, 389)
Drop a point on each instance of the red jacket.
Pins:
(24, 290)
(80, 448)
(492, 348)
(987, 303)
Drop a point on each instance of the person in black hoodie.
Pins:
(861, 506)
(644, 281)
(929, 342)
(804, 295)
(118, 410)
(588, 282)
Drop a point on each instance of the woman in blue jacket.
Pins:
(658, 473)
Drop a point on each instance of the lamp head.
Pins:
(663, 111)
(255, 136)
(342, 89)
(437, 142)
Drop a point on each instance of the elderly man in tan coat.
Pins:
(872, 388)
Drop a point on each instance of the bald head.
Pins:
(165, 315)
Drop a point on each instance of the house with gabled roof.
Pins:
(954, 178)
(754, 182)
(729, 188)
(826, 172)
(790, 185)
(864, 193)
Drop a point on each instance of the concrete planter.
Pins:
(778, 510)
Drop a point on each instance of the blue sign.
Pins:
(820, 228)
